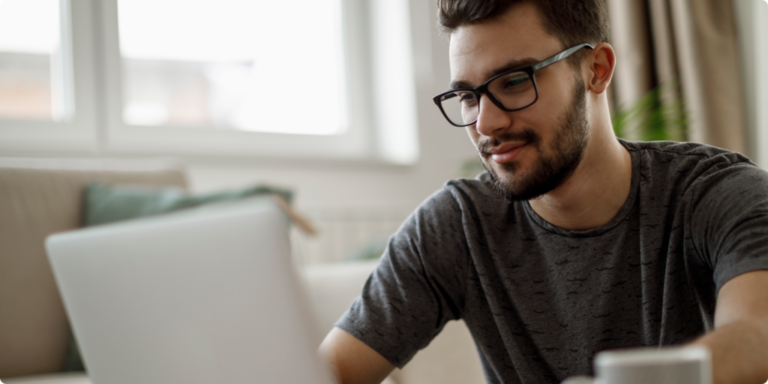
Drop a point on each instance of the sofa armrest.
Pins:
(451, 358)
(51, 378)
(39, 197)
(331, 289)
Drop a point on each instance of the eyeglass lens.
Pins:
(513, 90)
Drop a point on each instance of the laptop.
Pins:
(207, 295)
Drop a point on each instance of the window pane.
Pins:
(254, 65)
(31, 63)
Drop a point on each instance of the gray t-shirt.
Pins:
(540, 301)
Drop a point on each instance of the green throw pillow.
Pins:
(109, 203)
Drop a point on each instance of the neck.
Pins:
(596, 191)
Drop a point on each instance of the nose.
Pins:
(491, 120)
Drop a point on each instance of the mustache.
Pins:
(527, 136)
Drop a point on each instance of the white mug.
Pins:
(672, 365)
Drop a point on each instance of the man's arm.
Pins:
(353, 361)
(739, 342)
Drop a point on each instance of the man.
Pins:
(592, 243)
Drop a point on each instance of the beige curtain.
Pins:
(690, 43)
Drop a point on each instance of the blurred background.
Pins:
(331, 99)
(322, 104)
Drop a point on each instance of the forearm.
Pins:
(739, 352)
(353, 361)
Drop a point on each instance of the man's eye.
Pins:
(467, 98)
(515, 82)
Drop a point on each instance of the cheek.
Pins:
(538, 117)
(547, 114)
(473, 135)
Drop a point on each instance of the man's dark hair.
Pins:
(572, 21)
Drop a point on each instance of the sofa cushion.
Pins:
(38, 198)
(110, 203)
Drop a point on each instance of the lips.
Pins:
(506, 152)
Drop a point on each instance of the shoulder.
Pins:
(677, 153)
(706, 183)
(688, 165)
(461, 196)
(459, 204)
(479, 188)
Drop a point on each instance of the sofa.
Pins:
(39, 197)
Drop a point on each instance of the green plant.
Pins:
(660, 114)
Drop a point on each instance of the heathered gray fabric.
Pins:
(540, 301)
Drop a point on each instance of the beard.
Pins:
(554, 166)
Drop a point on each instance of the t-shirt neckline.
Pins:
(620, 216)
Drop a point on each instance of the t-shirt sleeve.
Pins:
(729, 217)
(417, 287)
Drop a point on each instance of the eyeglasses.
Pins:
(511, 91)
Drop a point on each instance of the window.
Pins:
(298, 79)
(46, 99)
(30, 61)
(221, 65)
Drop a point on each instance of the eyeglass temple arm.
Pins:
(561, 55)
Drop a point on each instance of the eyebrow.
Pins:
(514, 64)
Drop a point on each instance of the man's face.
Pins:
(532, 151)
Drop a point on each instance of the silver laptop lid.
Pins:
(204, 296)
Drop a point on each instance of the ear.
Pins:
(602, 61)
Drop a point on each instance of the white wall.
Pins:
(442, 148)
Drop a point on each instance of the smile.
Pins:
(506, 152)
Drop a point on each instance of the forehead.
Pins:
(477, 50)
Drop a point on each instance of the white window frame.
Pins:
(382, 127)
(80, 132)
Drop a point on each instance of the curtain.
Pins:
(688, 48)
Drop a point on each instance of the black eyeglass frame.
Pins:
(529, 70)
